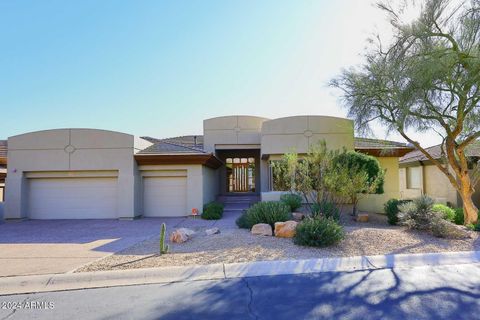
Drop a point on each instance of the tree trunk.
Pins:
(470, 211)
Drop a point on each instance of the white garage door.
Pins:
(164, 196)
(72, 198)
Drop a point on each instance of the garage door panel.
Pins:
(165, 196)
(72, 198)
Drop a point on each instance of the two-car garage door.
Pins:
(72, 198)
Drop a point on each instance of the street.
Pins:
(442, 292)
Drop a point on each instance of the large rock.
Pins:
(211, 231)
(188, 232)
(181, 235)
(285, 229)
(261, 229)
(362, 217)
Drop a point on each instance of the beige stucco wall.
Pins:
(211, 181)
(438, 187)
(375, 202)
(231, 130)
(299, 133)
(434, 184)
(71, 151)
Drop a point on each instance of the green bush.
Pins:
(264, 212)
(325, 209)
(356, 161)
(292, 200)
(459, 216)
(419, 214)
(318, 232)
(391, 210)
(446, 212)
(212, 211)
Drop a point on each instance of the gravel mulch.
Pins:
(238, 245)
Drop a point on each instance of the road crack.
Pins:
(250, 302)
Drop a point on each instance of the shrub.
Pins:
(292, 200)
(264, 212)
(318, 232)
(445, 229)
(325, 209)
(446, 212)
(419, 214)
(459, 216)
(391, 208)
(212, 211)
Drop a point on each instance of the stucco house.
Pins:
(419, 176)
(89, 173)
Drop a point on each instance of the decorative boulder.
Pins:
(261, 229)
(181, 235)
(189, 232)
(285, 229)
(362, 217)
(298, 216)
(211, 231)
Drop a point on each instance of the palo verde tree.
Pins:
(426, 79)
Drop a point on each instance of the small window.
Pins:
(414, 178)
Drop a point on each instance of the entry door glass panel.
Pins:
(240, 174)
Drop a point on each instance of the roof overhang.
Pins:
(208, 160)
(385, 152)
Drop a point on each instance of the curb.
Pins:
(102, 279)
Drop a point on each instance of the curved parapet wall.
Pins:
(299, 133)
(69, 149)
(222, 132)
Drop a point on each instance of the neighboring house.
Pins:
(419, 176)
(88, 173)
(3, 168)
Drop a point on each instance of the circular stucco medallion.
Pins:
(308, 133)
(69, 149)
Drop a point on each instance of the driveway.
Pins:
(59, 246)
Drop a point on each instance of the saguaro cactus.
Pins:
(163, 246)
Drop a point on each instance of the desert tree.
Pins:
(425, 79)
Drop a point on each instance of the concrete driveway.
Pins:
(59, 246)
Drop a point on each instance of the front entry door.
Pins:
(240, 174)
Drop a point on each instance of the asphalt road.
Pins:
(444, 292)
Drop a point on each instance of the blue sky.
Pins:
(160, 67)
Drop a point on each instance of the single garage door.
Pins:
(72, 198)
(164, 196)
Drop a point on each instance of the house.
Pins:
(419, 176)
(89, 173)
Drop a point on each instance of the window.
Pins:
(414, 177)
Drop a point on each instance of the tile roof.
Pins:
(177, 145)
(367, 143)
(3, 148)
(194, 143)
(473, 150)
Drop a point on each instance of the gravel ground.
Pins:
(238, 245)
